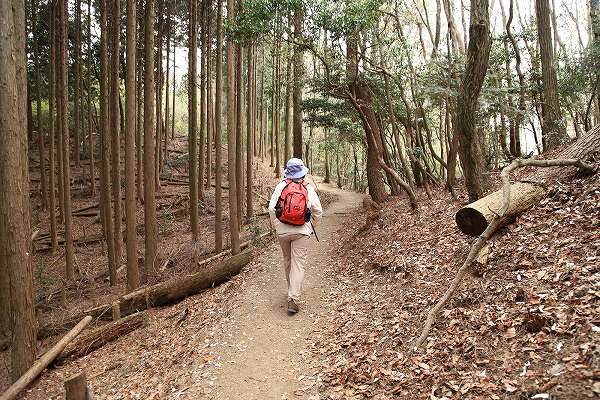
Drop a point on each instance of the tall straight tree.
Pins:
(169, 27)
(140, 105)
(231, 136)
(158, 91)
(276, 114)
(115, 126)
(298, 81)
(151, 238)
(219, 131)
(52, 129)
(89, 100)
(15, 247)
(249, 132)
(193, 115)
(77, 84)
(133, 275)
(64, 118)
(202, 136)
(209, 98)
(105, 195)
(471, 151)
(287, 105)
(38, 97)
(239, 130)
(553, 130)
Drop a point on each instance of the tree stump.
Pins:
(76, 387)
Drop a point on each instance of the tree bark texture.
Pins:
(471, 150)
(364, 104)
(151, 238)
(553, 129)
(298, 82)
(231, 137)
(219, 131)
(115, 127)
(105, 193)
(96, 338)
(15, 247)
(193, 116)
(133, 276)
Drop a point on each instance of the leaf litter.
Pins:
(528, 326)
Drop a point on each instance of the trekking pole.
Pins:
(314, 231)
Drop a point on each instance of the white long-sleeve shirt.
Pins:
(313, 204)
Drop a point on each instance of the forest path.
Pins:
(261, 352)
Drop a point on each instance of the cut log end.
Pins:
(471, 221)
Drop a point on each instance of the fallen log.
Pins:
(474, 218)
(481, 241)
(160, 294)
(45, 360)
(224, 253)
(98, 337)
(178, 288)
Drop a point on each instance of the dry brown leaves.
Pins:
(529, 328)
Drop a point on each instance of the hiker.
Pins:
(294, 209)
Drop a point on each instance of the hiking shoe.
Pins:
(292, 307)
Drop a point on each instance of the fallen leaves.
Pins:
(528, 327)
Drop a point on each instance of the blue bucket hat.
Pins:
(295, 169)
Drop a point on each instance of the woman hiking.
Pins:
(294, 209)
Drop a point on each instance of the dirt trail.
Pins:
(260, 352)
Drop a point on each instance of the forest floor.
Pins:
(524, 326)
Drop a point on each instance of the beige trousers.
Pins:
(294, 248)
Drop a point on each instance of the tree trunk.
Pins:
(287, 105)
(209, 99)
(165, 129)
(115, 127)
(553, 129)
(239, 129)
(105, 193)
(298, 81)
(359, 90)
(193, 116)
(64, 117)
(77, 83)
(89, 101)
(277, 102)
(133, 275)
(150, 223)
(273, 105)
(231, 137)
(38, 97)
(471, 149)
(457, 40)
(249, 134)
(96, 338)
(158, 156)
(15, 248)
(219, 132)
(515, 139)
(140, 109)
(52, 130)
(76, 387)
(202, 136)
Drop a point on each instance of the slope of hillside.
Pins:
(526, 325)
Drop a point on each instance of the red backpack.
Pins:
(292, 207)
